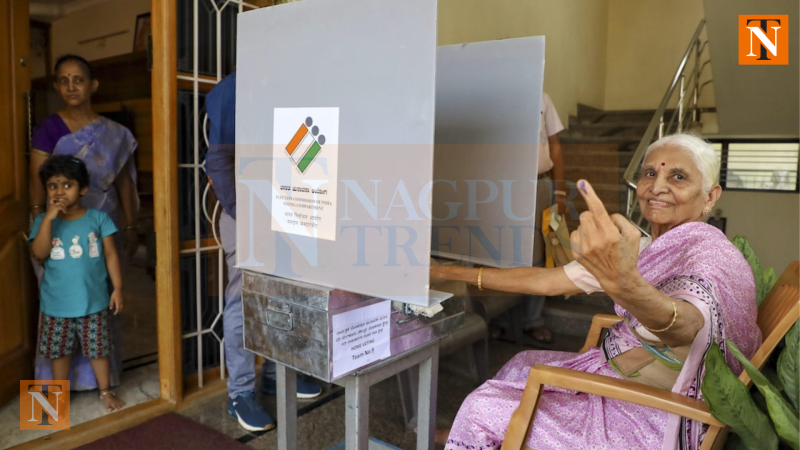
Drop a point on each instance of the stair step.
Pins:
(627, 141)
(596, 174)
(608, 192)
(577, 129)
(612, 196)
(593, 155)
(619, 116)
(571, 318)
(575, 120)
(583, 108)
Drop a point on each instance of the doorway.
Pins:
(112, 37)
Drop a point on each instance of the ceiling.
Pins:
(51, 10)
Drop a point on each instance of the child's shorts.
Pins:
(57, 335)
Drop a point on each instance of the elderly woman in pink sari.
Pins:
(106, 148)
(681, 292)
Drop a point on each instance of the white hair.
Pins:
(703, 154)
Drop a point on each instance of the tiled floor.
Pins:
(138, 386)
(323, 426)
(321, 422)
(139, 354)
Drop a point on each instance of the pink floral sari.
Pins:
(694, 262)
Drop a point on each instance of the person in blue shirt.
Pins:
(220, 167)
(76, 246)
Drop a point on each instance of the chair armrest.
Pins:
(599, 321)
(603, 386)
(624, 390)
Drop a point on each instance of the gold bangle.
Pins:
(480, 279)
(36, 207)
(674, 318)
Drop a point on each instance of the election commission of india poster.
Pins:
(305, 171)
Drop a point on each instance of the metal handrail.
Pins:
(657, 125)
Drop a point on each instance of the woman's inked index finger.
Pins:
(593, 202)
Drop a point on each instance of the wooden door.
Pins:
(16, 322)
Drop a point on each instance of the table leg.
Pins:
(287, 407)
(426, 402)
(356, 414)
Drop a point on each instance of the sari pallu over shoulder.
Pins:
(105, 147)
(695, 262)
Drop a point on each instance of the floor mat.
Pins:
(167, 432)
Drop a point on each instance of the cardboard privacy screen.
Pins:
(336, 102)
(488, 109)
(334, 130)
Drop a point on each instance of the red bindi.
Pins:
(663, 164)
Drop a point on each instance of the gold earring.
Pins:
(706, 211)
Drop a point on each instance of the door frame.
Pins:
(165, 169)
(165, 189)
(14, 209)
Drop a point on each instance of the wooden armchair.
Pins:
(776, 315)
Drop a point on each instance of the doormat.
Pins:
(167, 432)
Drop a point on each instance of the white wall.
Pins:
(753, 99)
(769, 221)
(103, 19)
(646, 41)
(575, 48)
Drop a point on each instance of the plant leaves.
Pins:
(783, 415)
(771, 375)
(784, 418)
(788, 370)
(765, 278)
(730, 402)
(755, 264)
(734, 442)
(768, 278)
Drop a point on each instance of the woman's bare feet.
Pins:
(439, 436)
(110, 401)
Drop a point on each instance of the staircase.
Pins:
(598, 146)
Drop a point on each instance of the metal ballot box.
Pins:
(299, 325)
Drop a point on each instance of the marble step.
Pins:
(588, 155)
(608, 192)
(576, 128)
(619, 116)
(628, 142)
(595, 174)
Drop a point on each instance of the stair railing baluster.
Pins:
(680, 104)
(656, 127)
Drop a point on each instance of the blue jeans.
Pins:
(240, 362)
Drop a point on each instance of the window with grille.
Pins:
(758, 165)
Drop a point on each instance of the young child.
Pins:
(76, 245)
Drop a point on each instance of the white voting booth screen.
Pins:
(334, 155)
(337, 104)
(488, 109)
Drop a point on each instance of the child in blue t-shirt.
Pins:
(76, 245)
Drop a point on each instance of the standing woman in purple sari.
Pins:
(106, 148)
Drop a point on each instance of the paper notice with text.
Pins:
(360, 336)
